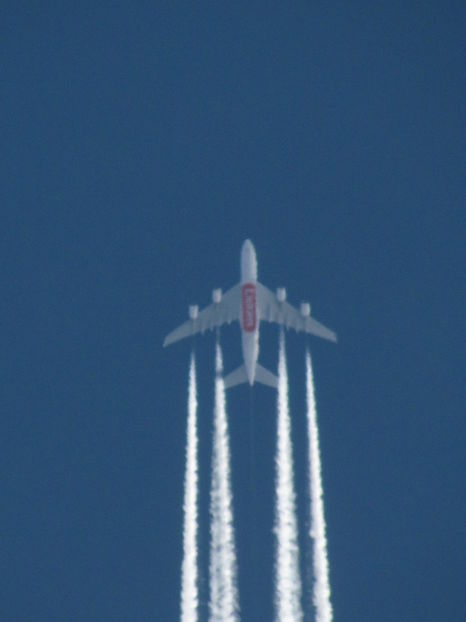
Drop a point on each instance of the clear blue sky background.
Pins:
(141, 144)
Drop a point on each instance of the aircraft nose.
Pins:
(247, 245)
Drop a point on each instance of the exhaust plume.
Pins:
(223, 604)
(321, 588)
(189, 569)
(288, 581)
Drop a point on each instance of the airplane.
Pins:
(249, 302)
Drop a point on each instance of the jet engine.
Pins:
(305, 309)
(217, 295)
(281, 294)
(193, 312)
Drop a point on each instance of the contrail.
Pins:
(321, 592)
(189, 569)
(288, 581)
(223, 604)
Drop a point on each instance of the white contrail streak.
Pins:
(321, 591)
(223, 604)
(288, 581)
(189, 569)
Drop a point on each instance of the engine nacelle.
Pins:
(217, 295)
(281, 294)
(305, 309)
(193, 312)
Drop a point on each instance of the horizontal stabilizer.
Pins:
(239, 376)
(264, 376)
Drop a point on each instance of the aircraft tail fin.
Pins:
(238, 376)
(264, 376)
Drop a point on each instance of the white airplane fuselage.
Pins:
(247, 302)
(249, 311)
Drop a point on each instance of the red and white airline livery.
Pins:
(249, 302)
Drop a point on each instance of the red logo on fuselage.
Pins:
(248, 299)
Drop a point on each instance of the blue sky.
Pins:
(141, 145)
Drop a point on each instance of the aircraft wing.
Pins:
(271, 310)
(213, 316)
